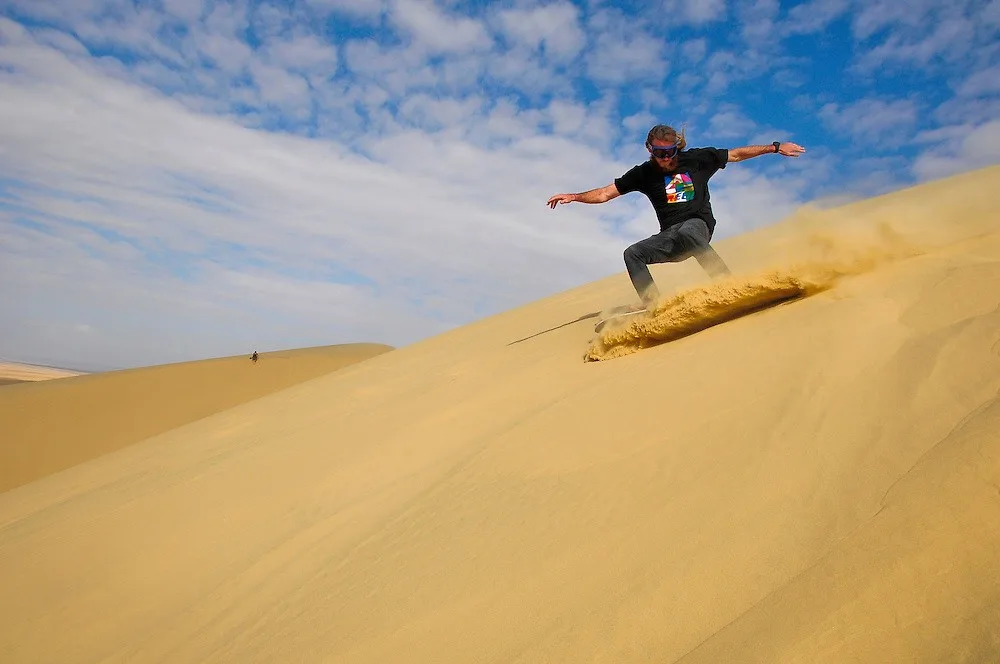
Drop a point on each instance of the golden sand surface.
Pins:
(53, 425)
(817, 481)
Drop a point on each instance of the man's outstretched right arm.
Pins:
(599, 195)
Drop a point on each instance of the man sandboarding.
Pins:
(675, 180)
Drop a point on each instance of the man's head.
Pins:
(664, 144)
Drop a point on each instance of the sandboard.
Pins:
(618, 317)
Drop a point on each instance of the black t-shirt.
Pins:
(682, 194)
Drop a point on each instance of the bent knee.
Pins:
(633, 254)
(695, 238)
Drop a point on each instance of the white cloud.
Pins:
(726, 67)
(396, 70)
(279, 87)
(228, 19)
(758, 17)
(703, 11)
(983, 82)
(743, 198)
(401, 70)
(132, 30)
(61, 41)
(568, 119)
(524, 71)
(976, 101)
(156, 74)
(228, 53)
(981, 146)
(458, 74)
(789, 78)
(730, 122)
(924, 33)
(720, 69)
(270, 21)
(961, 148)
(304, 53)
(872, 120)
(554, 28)
(436, 31)
(868, 176)
(813, 16)
(968, 110)
(640, 123)
(946, 133)
(949, 40)
(694, 50)
(187, 10)
(431, 114)
(879, 14)
(624, 50)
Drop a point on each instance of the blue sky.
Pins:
(193, 178)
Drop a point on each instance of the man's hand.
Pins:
(599, 195)
(561, 198)
(790, 149)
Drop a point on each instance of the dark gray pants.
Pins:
(677, 243)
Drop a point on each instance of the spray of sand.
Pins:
(825, 258)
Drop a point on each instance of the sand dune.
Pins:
(52, 425)
(815, 482)
(14, 372)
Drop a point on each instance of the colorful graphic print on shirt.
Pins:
(680, 189)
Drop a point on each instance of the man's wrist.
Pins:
(777, 147)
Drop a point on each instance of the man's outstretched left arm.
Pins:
(751, 151)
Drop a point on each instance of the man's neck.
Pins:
(665, 171)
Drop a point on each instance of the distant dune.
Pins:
(733, 481)
(13, 372)
(55, 424)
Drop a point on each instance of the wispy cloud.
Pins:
(730, 122)
(437, 31)
(814, 15)
(553, 30)
(922, 32)
(872, 120)
(959, 148)
(624, 50)
(680, 12)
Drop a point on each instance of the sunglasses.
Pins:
(664, 152)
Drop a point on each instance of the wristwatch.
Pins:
(777, 146)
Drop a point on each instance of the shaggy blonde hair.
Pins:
(666, 133)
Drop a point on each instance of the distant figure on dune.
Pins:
(253, 358)
(675, 180)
